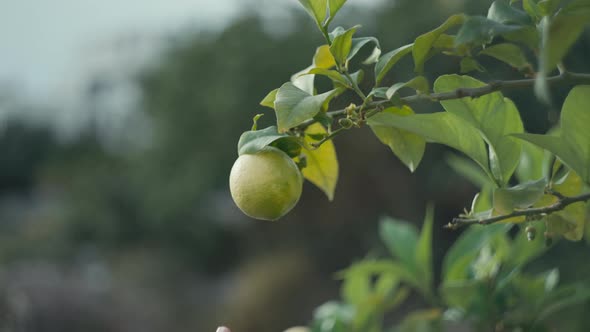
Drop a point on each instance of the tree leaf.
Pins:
(466, 248)
(423, 44)
(335, 6)
(357, 45)
(469, 64)
(533, 163)
(388, 60)
(322, 163)
(560, 33)
(443, 128)
(323, 58)
(508, 53)
(524, 195)
(407, 146)
(480, 30)
(424, 251)
(494, 116)
(401, 238)
(293, 106)
(419, 83)
(469, 171)
(502, 12)
(342, 44)
(253, 141)
(269, 100)
(317, 9)
(573, 144)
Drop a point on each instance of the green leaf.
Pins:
(524, 250)
(269, 100)
(480, 30)
(460, 256)
(533, 163)
(293, 106)
(317, 9)
(335, 6)
(508, 53)
(532, 9)
(470, 64)
(419, 84)
(322, 163)
(323, 58)
(562, 298)
(559, 34)
(502, 12)
(388, 60)
(494, 116)
(461, 293)
(253, 141)
(443, 128)
(423, 44)
(424, 251)
(524, 195)
(469, 170)
(407, 146)
(342, 44)
(401, 238)
(334, 75)
(573, 145)
(357, 45)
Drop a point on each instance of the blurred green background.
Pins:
(115, 213)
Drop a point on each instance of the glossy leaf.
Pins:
(508, 53)
(494, 116)
(293, 106)
(388, 60)
(573, 145)
(253, 141)
(342, 44)
(469, 170)
(335, 6)
(423, 44)
(323, 58)
(407, 146)
(317, 9)
(322, 163)
(443, 128)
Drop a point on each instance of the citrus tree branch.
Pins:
(561, 204)
(491, 87)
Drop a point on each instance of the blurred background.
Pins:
(118, 127)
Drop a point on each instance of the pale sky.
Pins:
(44, 42)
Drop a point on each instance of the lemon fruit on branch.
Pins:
(265, 185)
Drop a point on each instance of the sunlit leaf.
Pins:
(293, 106)
(508, 53)
(494, 116)
(322, 163)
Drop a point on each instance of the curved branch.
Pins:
(561, 204)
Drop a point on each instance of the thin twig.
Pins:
(561, 204)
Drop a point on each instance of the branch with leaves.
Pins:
(531, 213)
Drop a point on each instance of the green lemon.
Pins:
(265, 185)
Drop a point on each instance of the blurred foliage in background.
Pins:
(145, 237)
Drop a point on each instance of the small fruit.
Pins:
(265, 185)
